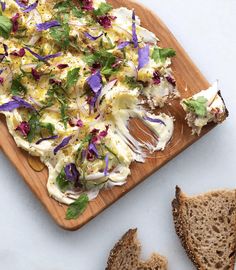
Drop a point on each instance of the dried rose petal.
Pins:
(156, 77)
(1, 80)
(36, 75)
(24, 128)
(15, 23)
(171, 80)
(87, 5)
(19, 53)
(106, 21)
(62, 66)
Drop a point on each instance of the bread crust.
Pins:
(180, 231)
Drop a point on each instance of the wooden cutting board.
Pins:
(189, 81)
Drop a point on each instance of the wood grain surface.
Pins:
(189, 81)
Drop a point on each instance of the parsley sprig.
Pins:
(198, 106)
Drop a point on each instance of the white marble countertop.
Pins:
(29, 237)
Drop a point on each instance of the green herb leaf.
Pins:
(62, 182)
(160, 54)
(5, 26)
(61, 35)
(103, 9)
(72, 77)
(133, 83)
(50, 127)
(198, 106)
(78, 207)
(77, 12)
(17, 88)
(34, 127)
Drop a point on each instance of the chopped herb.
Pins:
(61, 34)
(160, 54)
(114, 154)
(77, 12)
(133, 83)
(17, 88)
(78, 207)
(64, 117)
(198, 105)
(103, 9)
(62, 182)
(5, 26)
(72, 77)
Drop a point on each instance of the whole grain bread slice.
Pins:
(126, 255)
(206, 226)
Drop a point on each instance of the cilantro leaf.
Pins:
(5, 26)
(62, 182)
(17, 88)
(103, 9)
(198, 106)
(72, 77)
(77, 12)
(160, 54)
(78, 207)
(48, 126)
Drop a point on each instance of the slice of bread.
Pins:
(126, 255)
(206, 225)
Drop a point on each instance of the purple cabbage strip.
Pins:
(20, 4)
(153, 120)
(3, 55)
(143, 56)
(92, 148)
(47, 139)
(95, 82)
(43, 58)
(72, 174)
(47, 25)
(16, 103)
(64, 142)
(134, 33)
(107, 163)
(123, 45)
(31, 7)
(87, 35)
(3, 5)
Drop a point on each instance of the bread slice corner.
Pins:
(206, 226)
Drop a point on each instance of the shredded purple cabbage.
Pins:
(143, 56)
(24, 128)
(153, 120)
(87, 5)
(63, 143)
(25, 7)
(107, 164)
(20, 4)
(31, 7)
(72, 174)
(3, 5)
(87, 35)
(92, 149)
(123, 45)
(43, 58)
(134, 33)
(47, 139)
(47, 25)
(16, 103)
